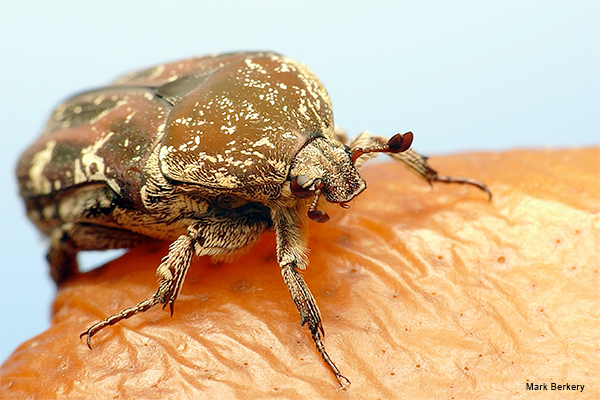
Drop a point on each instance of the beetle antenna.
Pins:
(313, 213)
(397, 144)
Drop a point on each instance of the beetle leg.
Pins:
(174, 267)
(340, 134)
(414, 161)
(69, 238)
(418, 164)
(291, 255)
(61, 256)
(309, 314)
(172, 270)
(113, 319)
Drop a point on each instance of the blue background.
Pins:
(462, 75)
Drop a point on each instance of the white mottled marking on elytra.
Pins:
(89, 158)
(78, 174)
(48, 211)
(302, 108)
(154, 72)
(98, 99)
(284, 67)
(264, 142)
(228, 129)
(128, 118)
(205, 157)
(40, 160)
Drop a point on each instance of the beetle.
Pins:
(207, 153)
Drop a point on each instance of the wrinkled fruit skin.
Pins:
(438, 293)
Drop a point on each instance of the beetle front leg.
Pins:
(414, 161)
(172, 270)
(418, 164)
(309, 314)
(291, 255)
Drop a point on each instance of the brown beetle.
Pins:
(207, 153)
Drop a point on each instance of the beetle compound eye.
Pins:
(302, 180)
(296, 185)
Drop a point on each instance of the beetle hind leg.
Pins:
(69, 238)
(61, 256)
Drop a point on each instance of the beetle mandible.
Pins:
(207, 153)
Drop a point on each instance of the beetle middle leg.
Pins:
(291, 255)
(172, 270)
(207, 237)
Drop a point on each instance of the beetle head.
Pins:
(326, 167)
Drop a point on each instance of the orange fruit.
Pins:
(424, 293)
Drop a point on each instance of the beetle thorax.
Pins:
(327, 163)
